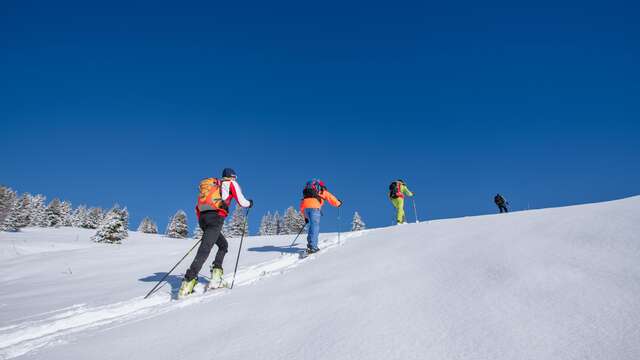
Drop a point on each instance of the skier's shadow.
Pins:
(173, 280)
(280, 249)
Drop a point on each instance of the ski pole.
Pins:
(244, 228)
(415, 212)
(173, 268)
(296, 239)
(339, 215)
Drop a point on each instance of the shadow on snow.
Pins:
(280, 249)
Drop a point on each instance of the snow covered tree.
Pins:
(93, 219)
(78, 216)
(178, 227)
(277, 225)
(65, 213)
(38, 211)
(293, 221)
(272, 225)
(148, 226)
(112, 229)
(7, 202)
(11, 221)
(197, 233)
(225, 227)
(265, 224)
(101, 215)
(357, 224)
(53, 213)
(23, 210)
(125, 218)
(10, 202)
(238, 224)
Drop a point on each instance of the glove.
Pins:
(250, 203)
(306, 221)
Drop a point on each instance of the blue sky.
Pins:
(135, 103)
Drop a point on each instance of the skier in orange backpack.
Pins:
(314, 195)
(213, 207)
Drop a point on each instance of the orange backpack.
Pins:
(210, 197)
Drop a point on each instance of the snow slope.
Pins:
(558, 283)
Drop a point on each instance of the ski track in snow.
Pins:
(22, 338)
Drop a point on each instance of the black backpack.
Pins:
(395, 189)
(313, 189)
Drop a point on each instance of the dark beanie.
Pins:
(228, 172)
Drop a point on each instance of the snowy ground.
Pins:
(547, 284)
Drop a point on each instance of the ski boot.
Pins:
(186, 287)
(216, 278)
(307, 252)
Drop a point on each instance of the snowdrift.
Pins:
(558, 283)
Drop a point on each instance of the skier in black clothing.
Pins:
(212, 208)
(501, 202)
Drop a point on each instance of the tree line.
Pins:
(26, 210)
(18, 211)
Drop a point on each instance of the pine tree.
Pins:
(272, 225)
(7, 202)
(38, 211)
(357, 224)
(65, 213)
(53, 213)
(11, 221)
(238, 224)
(226, 227)
(112, 229)
(265, 224)
(148, 226)
(178, 227)
(93, 219)
(101, 216)
(293, 221)
(278, 226)
(197, 233)
(23, 210)
(78, 217)
(10, 202)
(125, 217)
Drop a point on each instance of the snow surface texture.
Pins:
(545, 284)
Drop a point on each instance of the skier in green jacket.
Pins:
(397, 191)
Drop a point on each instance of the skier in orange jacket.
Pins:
(314, 195)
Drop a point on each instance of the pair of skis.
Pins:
(207, 288)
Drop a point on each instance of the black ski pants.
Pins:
(211, 223)
(503, 208)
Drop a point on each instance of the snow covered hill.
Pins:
(559, 283)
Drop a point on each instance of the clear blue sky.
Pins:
(135, 102)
